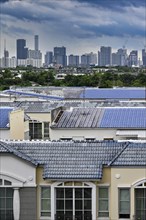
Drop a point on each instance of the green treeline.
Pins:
(48, 78)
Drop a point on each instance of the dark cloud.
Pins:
(114, 3)
(3, 1)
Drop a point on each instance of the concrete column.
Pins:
(16, 204)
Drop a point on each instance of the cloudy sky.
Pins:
(80, 25)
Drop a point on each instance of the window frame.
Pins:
(101, 199)
(6, 198)
(119, 201)
(45, 211)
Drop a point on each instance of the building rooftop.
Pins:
(102, 118)
(77, 159)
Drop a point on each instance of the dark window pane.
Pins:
(2, 203)
(87, 204)
(78, 204)
(9, 203)
(68, 193)
(59, 204)
(1, 182)
(69, 204)
(2, 192)
(7, 183)
(60, 193)
(78, 193)
(9, 215)
(9, 192)
(87, 193)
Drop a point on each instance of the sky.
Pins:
(79, 25)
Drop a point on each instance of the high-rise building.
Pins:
(144, 57)
(119, 58)
(88, 59)
(105, 56)
(21, 49)
(48, 58)
(36, 42)
(60, 57)
(133, 58)
(73, 60)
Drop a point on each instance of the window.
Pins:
(124, 203)
(46, 129)
(72, 202)
(46, 201)
(140, 203)
(6, 203)
(35, 130)
(103, 202)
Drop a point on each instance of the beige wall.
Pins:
(18, 126)
(124, 177)
(40, 116)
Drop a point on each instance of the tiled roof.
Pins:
(102, 118)
(70, 160)
(133, 155)
(7, 148)
(4, 116)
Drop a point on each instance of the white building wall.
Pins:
(5, 134)
(82, 134)
(18, 171)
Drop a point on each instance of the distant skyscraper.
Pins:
(144, 57)
(60, 56)
(105, 56)
(119, 58)
(21, 49)
(133, 58)
(88, 59)
(73, 60)
(48, 58)
(36, 42)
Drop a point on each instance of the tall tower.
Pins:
(105, 56)
(21, 49)
(36, 42)
(60, 55)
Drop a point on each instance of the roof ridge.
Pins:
(10, 149)
(117, 155)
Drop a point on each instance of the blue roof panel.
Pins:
(122, 93)
(4, 116)
(124, 118)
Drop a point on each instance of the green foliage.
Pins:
(97, 79)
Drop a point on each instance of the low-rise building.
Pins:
(66, 180)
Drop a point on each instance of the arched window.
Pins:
(140, 200)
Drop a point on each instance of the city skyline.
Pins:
(81, 26)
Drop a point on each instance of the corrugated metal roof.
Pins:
(117, 93)
(102, 118)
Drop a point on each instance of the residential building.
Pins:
(62, 180)
(14, 124)
(60, 57)
(105, 56)
(108, 123)
(73, 60)
(88, 59)
(119, 58)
